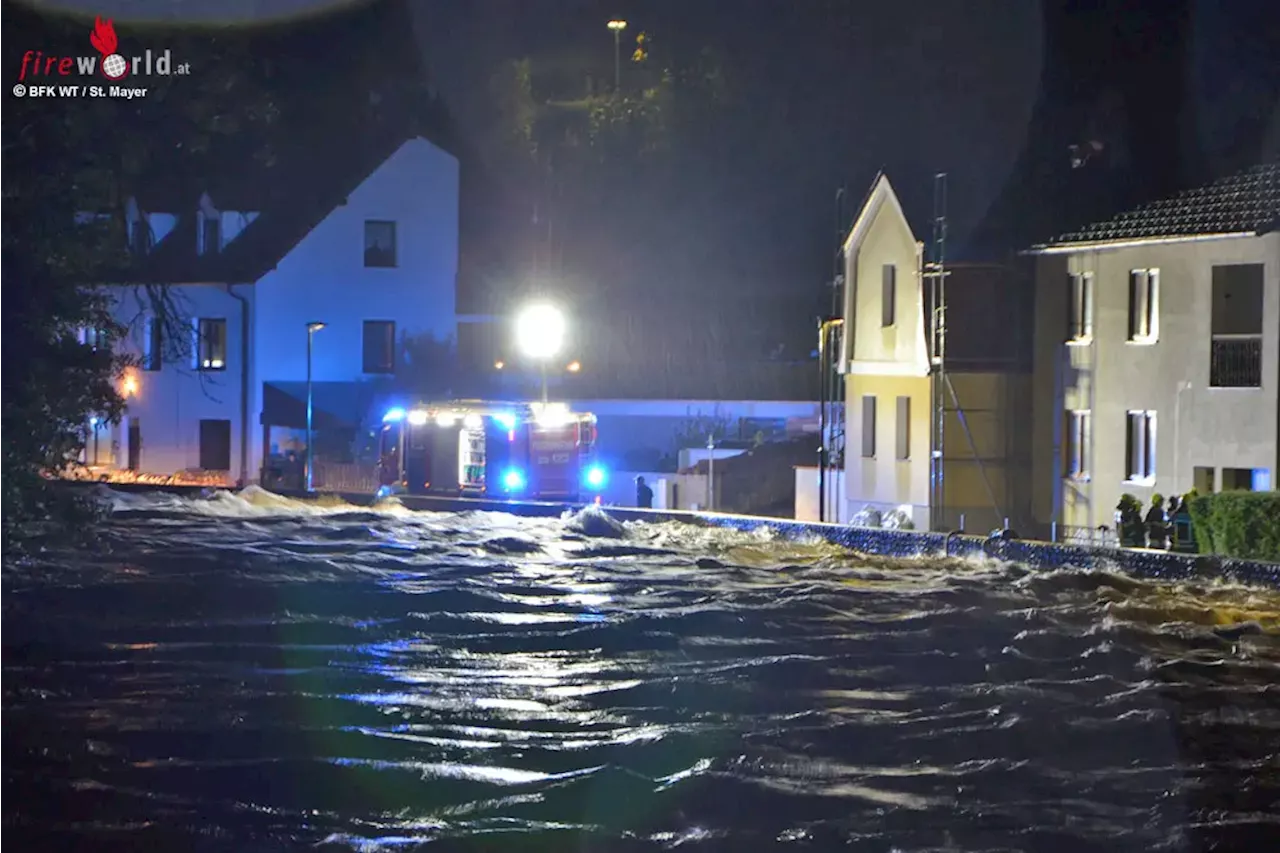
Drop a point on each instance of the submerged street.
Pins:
(250, 673)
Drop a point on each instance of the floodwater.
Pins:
(246, 673)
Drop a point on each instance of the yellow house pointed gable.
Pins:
(884, 323)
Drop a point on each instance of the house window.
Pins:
(215, 445)
(211, 344)
(1235, 354)
(888, 294)
(1079, 307)
(868, 426)
(1140, 447)
(1144, 306)
(93, 337)
(379, 243)
(903, 439)
(152, 344)
(1079, 434)
(379, 346)
(210, 234)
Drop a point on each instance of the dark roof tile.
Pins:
(1247, 201)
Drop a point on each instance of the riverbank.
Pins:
(1140, 562)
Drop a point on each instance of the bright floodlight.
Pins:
(540, 331)
(617, 26)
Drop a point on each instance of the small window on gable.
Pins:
(888, 294)
(210, 236)
(379, 243)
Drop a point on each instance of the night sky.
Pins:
(992, 92)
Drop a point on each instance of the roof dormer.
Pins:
(208, 227)
(145, 229)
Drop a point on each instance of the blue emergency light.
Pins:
(505, 420)
(512, 480)
(393, 415)
(595, 477)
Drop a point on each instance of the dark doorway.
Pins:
(135, 444)
(215, 445)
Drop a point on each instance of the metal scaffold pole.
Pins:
(938, 270)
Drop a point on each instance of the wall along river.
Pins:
(249, 673)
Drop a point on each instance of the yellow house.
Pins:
(896, 448)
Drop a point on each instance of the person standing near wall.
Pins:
(644, 494)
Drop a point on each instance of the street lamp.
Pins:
(312, 328)
(540, 331)
(617, 26)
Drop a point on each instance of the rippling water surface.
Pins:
(246, 673)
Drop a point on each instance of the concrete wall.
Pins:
(670, 491)
(1197, 426)
(640, 429)
(168, 404)
(839, 510)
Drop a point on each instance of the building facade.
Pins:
(1157, 354)
(894, 390)
(370, 252)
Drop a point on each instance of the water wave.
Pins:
(249, 672)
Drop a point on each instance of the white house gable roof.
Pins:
(881, 193)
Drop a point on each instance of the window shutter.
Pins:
(868, 426)
(1073, 307)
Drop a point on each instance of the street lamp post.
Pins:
(617, 26)
(540, 333)
(711, 472)
(312, 328)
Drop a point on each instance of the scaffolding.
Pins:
(943, 389)
(831, 420)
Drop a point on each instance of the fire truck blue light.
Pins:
(513, 480)
(506, 421)
(595, 476)
(393, 415)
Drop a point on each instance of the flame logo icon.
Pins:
(103, 39)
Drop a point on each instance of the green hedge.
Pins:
(1238, 524)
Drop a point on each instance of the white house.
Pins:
(369, 248)
(1157, 357)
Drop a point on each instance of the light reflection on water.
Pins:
(249, 673)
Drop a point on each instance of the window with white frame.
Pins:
(1079, 434)
(1079, 307)
(1144, 306)
(1140, 446)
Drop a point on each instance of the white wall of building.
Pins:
(1197, 426)
(168, 404)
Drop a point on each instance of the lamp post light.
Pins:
(312, 328)
(617, 26)
(540, 331)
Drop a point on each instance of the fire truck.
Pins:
(476, 448)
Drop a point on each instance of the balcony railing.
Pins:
(1235, 361)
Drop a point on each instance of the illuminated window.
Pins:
(211, 344)
(1140, 446)
(1144, 306)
